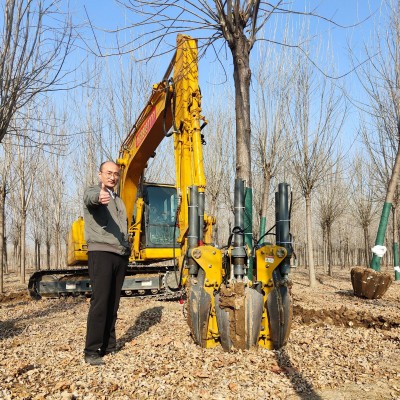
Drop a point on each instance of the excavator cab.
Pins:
(159, 222)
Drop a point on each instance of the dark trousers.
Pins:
(107, 272)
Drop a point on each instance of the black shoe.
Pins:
(103, 353)
(93, 359)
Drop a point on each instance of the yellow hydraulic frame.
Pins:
(268, 258)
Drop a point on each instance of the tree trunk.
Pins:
(15, 255)
(265, 201)
(2, 198)
(39, 258)
(23, 246)
(324, 250)
(57, 246)
(367, 250)
(37, 255)
(311, 268)
(329, 245)
(241, 76)
(48, 245)
(346, 254)
(380, 236)
(395, 245)
(5, 252)
(213, 211)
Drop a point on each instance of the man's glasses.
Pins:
(110, 174)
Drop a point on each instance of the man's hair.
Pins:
(105, 162)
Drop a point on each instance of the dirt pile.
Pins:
(340, 347)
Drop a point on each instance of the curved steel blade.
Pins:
(239, 312)
(279, 308)
(199, 305)
(223, 323)
(254, 308)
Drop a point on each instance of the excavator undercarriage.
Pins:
(161, 281)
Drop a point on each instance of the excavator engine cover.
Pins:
(239, 311)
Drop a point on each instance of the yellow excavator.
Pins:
(171, 236)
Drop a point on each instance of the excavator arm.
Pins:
(174, 108)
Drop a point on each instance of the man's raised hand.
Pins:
(104, 196)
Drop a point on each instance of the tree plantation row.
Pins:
(333, 137)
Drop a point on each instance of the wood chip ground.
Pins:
(340, 348)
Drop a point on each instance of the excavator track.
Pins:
(141, 281)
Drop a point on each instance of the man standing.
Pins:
(106, 234)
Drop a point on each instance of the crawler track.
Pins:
(141, 281)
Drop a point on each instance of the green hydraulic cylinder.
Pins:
(263, 227)
(380, 236)
(248, 227)
(396, 261)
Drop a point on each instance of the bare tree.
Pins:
(217, 157)
(270, 145)
(27, 167)
(331, 201)
(57, 190)
(91, 145)
(5, 165)
(315, 120)
(363, 199)
(35, 41)
(37, 218)
(238, 24)
(235, 25)
(381, 81)
(127, 92)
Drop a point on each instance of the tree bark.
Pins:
(57, 246)
(48, 246)
(37, 254)
(2, 267)
(23, 247)
(311, 267)
(242, 76)
(329, 245)
(265, 195)
(367, 250)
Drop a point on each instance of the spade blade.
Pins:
(223, 324)
(199, 305)
(239, 312)
(280, 311)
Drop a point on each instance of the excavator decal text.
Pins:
(145, 128)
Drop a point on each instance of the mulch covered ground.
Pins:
(340, 347)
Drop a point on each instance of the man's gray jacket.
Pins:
(106, 226)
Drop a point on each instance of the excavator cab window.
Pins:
(160, 210)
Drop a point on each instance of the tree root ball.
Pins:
(369, 283)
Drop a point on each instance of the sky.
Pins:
(352, 14)
(357, 20)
